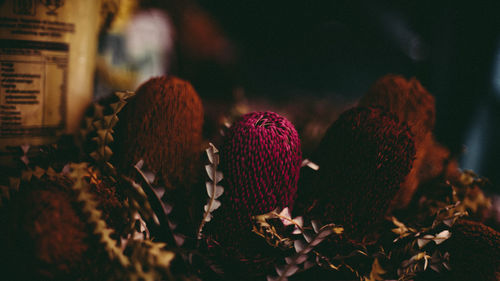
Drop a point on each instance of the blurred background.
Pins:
(311, 61)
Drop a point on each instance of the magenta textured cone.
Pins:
(260, 160)
(363, 158)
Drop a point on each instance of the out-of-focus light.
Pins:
(496, 73)
(475, 141)
(149, 39)
(398, 31)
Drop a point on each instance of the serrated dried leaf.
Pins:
(300, 259)
(310, 164)
(139, 164)
(299, 221)
(215, 204)
(324, 233)
(285, 213)
(291, 270)
(308, 264)
(208, 217)
(123, 95)
(159, 191)
(118, 106)
(214, 192)
(211, 172)
(422, 242)
(149, 176)
(442, 236)
(307, 236)
(98, 125)
(279, 269)
(212, 154)
(105, 135)
(315, 226)
(107, 152)
(299, 245)
(110, 121)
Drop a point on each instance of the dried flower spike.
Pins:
(162, 124)
(474, 251)
(260, 160)
(364, 156)
(413, 104)
(45, 232)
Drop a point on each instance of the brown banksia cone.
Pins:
(363, 158)
(45, 233)
(162, 125)
(412, 104)
(474, 251)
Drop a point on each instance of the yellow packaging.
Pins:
(47, 56)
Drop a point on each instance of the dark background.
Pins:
(338, 48)
(341, 47)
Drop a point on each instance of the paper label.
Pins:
(33, 87)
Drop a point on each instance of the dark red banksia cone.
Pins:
(407, 99)
(413, 104)
(260, 161)
(46, 234)
(474, 251)
(162, 125)
(363, 158)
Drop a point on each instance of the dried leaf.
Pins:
(213, 154)
(211, 207)
(308, 236)
(212, 172)
(315, 226)
(214, 192)
(299, 245)
(442, 236)
(422, 242)
(310, 164)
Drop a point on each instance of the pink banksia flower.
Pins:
(363, 158)
(260, 160)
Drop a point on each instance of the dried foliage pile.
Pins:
(134, 202)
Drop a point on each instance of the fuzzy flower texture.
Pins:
(163, 126)
(363, 158)
(260, 160)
